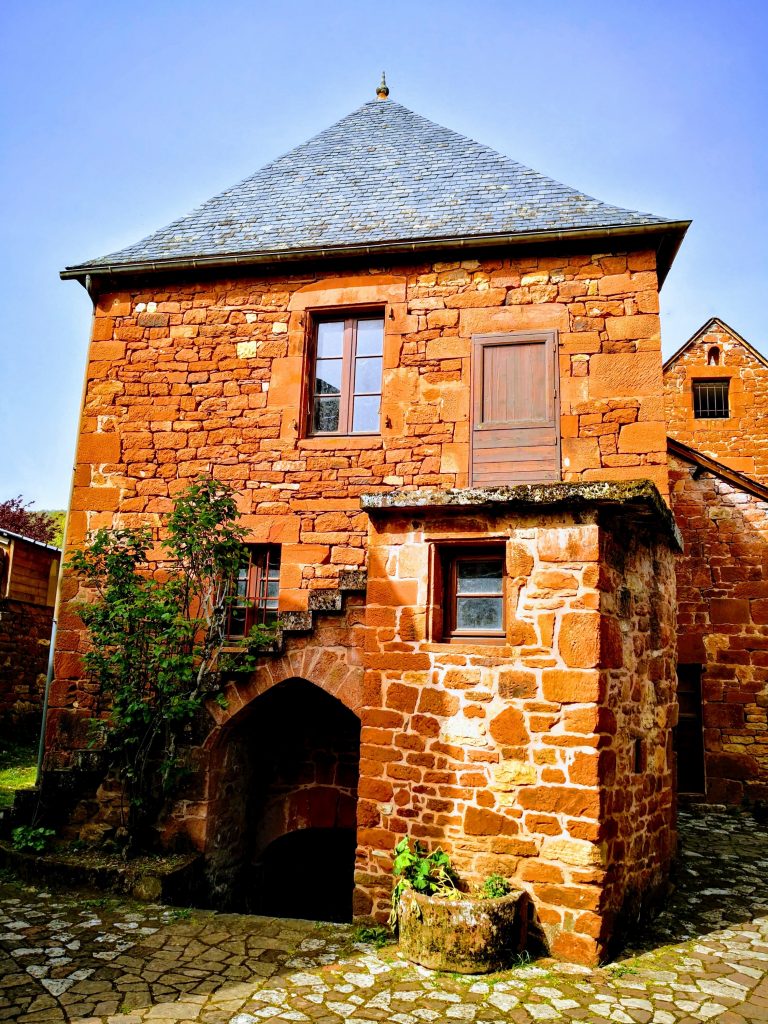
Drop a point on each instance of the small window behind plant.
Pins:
(254, 596)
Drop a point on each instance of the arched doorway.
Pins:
(282, 832)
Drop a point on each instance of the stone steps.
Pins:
(351, 581)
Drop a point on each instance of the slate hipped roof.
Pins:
(381, 178)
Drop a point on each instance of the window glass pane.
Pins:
(330, 340)
(481, 613)
(328, 377)
(368, 376)
(326, 414)
(370, 337)
(365, 418)
(479, 577)
(236, 621)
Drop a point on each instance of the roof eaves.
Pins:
(28, 540)
(710, 465)
(671, 231)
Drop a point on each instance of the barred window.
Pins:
(710, 399)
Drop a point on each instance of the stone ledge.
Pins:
(640, 497)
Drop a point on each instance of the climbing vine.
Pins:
(156, 623)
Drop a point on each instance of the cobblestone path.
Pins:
(67, 957)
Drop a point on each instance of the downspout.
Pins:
(57, 602)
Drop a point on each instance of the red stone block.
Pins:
(579, 949)
(509, 728)
(572, 686)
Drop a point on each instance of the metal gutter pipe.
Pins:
(670, 228)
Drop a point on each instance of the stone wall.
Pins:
(28, 573)
(521, 758)
(187, 378)
(741, 440)
(25, 640)
(722, 588)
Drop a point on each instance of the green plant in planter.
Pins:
(427, 873)
(493, 888)
(26, 837)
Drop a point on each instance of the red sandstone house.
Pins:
(28, 574)
(716, 390)
(435, 377)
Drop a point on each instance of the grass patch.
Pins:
(18, 769)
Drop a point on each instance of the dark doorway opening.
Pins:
(307, 874)
(282, 836)
(689, 732)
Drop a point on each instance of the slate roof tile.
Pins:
(381, 174)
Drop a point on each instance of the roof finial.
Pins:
(383, 90)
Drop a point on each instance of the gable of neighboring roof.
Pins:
(710, 465)
(720, 325)
(380, 178)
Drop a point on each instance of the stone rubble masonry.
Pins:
(26, 618)
(517, 760)
(741, 440)
(168, 397)
(722, 595)
(25, 640)
(521, 758)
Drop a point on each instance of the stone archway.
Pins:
(283, 777)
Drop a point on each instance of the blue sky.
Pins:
(117, 117)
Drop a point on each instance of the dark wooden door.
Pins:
(689, 732)
(515, 414)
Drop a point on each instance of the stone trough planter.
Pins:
(466, 936)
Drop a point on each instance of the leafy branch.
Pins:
(156, 632)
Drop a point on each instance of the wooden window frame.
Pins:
(260, 607)
(350, 319)
(699, 384)
(450, 558)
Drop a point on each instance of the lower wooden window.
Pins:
(474, 593)
(255, 591)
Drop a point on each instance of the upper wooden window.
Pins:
(255, 591)
(515, 416)
(346, 375)
(710, 399)
(474, 593)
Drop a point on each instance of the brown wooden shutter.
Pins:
(515, 416)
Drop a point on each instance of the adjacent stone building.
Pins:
(716, 390)
(435, 378)
(29, 571)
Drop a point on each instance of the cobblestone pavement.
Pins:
(67, 957)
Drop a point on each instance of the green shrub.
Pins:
(374, 934)
(493, 888)
(25, 837)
